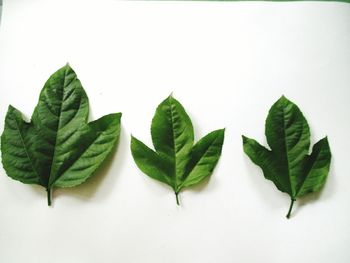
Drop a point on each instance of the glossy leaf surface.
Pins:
(177, 161)
(58, 148)
(288, 164)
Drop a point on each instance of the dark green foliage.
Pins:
(288, 164)
(177, 161)
(58, 148)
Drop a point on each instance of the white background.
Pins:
(227, 63)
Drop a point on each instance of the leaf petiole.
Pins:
(290, 207)
(177, 198)
(48, 190)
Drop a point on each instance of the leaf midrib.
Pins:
(78, 157)
(174, 143)
(287, 150)
(58, 127)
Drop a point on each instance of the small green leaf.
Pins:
(58, 148)
(288, 164)
(176, 161)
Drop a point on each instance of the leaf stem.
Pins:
(177, 198)
(48, 190)
(290, 207)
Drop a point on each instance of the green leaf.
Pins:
(175, 160)
(288, 164)
(58, 148)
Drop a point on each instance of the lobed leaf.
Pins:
(288, 164)
(58, 148)
(175, 160)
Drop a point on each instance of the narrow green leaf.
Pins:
(58, 148)
(288, 164)
(176, 161)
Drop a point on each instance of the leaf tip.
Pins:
(67, 66)
(118, 115)
(283, 99)
(170, 97)
(133, 140)
(325, 139)
(221, 131)
(13, 111)
(10, 108)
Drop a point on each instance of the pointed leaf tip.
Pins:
(67, 66)
(10, 108)
(288, 164)
(176, 161)
(283, 100)
(37, 157)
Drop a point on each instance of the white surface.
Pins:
(227, 63)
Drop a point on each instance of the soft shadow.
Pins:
(205, 185)
(200, 186)
(88, 189)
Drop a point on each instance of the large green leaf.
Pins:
(58, 148)
(176, 161)
(288, 164)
